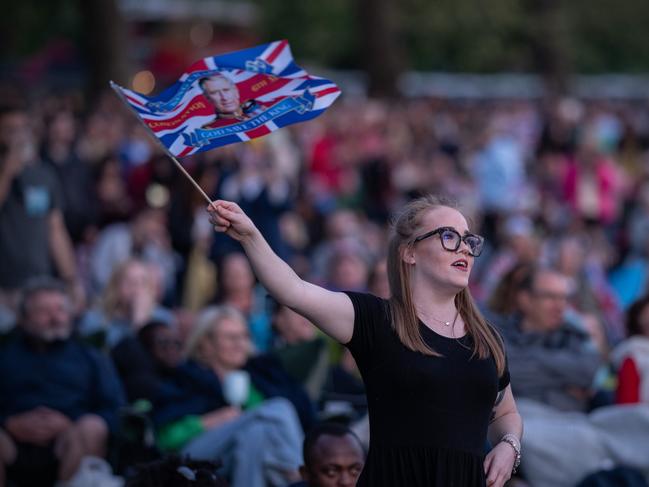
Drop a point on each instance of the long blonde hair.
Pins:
(110, 302)
(486, 341)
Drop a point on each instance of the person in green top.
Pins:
(257, 436)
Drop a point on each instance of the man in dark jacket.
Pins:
(58, 397)
(552, 359)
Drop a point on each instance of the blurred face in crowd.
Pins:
(222, 93)
(293, 327)
(571, 256)
(167, 346)
(336, 461)
(378, 280)
(237, 275)
(110, 186)
(543, 306)
(348, 271)
(17, 136)
(136, 278)
(229, 345)
(48, 316)
(150, 228)
(342, 223)
(62, 128)
(525, 246)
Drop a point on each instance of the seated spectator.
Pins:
(145, 237)
(551, 359)
(631, 357)
(134, 358)
(301, 349)
(333, 457)
(341, 225)
(502, 302)
(348, 266)
(344, 392)
(58, 397)
(582, 257)
(200, 276)
(377, 281)
(257, 445)
(174, 471)
(130, 300)
(237, 288)
(519, 245)
(553, 364)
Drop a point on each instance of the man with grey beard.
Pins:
(58, 397)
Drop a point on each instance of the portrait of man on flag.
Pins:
(224, 95)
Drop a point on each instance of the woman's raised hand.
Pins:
(228, 218)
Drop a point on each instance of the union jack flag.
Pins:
(232, 98)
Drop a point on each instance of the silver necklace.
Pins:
(447, 323)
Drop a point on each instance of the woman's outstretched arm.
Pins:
(332, 312)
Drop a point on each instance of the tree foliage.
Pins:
(28, 25)
(551, 37)
(320, 31)
(475, 35)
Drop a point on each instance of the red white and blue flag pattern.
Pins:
(275, 91)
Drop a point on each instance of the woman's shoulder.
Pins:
(372, 322)
(369, 303)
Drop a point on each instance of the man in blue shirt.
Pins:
(58, 397)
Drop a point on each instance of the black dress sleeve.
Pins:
(504, 379)
(371, 314)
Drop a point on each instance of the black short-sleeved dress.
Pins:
(428, 415)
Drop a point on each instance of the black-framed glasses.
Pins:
(451, 240)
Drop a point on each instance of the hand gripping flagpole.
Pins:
(120, 95)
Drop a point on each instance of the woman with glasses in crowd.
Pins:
(435, 371)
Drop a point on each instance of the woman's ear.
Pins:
(408, 254)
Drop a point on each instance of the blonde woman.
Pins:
(434, 370)
(252, 427)
(130, 300)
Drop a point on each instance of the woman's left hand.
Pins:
(498, 464)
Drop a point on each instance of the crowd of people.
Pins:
(117, 295)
